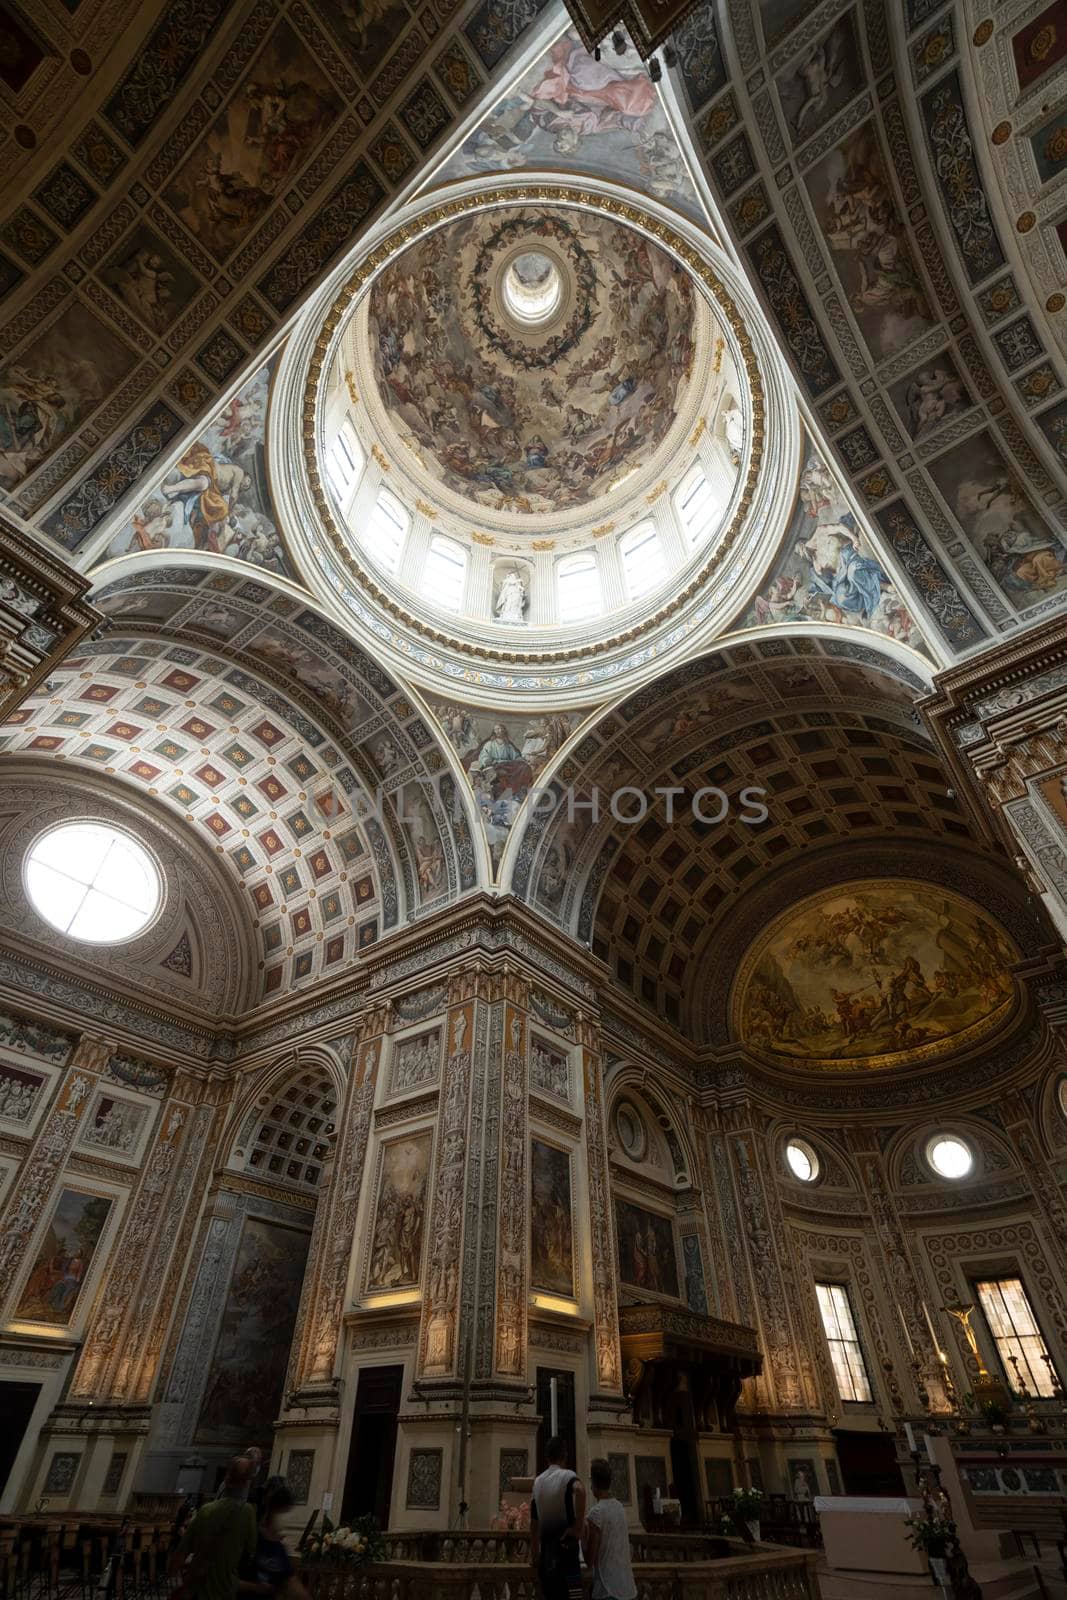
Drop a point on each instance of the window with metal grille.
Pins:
(386, 531)
(445, 573)
(1010, 1319)
(846, 1354)
(344, 460)
(578, 587)
(643, 565)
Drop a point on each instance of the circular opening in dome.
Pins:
(949, 1156)
(532, 287)
(92, 882)
(801, 1160)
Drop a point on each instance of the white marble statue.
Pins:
(511, 598)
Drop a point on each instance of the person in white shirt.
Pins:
(557, 1520)
(606, 1543)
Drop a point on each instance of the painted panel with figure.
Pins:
(879, 972)
(574, 114)
(1025, 555)
(646, 1249)
(216, 497)
(244, 1385)
(150, 278)
(931, 395)
(551, 1222)
(48, 389)
(277, 116)
(64, 1258)
(824, 80)
(396, 1245)
(826, 571)
(856, 209)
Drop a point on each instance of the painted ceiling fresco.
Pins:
(324, 798)
(216, 498)
(877, 974)
(543, 419)
(192, 201)
(569, 113)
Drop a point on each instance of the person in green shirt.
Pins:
(220, 1536)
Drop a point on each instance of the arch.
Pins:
(630, 1082)
(239, 707)
(284, 1127)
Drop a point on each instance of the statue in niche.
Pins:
(511, 598)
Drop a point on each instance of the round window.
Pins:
(801, 1160)
(92, 882)
(949, 1156)
(631, 1131)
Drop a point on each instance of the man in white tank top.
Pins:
(557, 1518)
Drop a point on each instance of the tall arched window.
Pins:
(643, 565)
(578, 587)
(698, 506)
(386, 531)
(445, 572)
(345, 461)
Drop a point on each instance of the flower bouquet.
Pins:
(512, 1519)
(357, 1543)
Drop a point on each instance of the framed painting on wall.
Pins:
(646, 1249)
(551, 1219)
(64, 1258)
(395, 1257)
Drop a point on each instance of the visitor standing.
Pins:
(271, 1571)
(557, 1517)
(606, 1542)
(220, 1536)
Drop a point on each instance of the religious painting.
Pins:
(1026, 556)
(395, 1260)
(247, 1372)
(931, 395)
(216, 497)
(779, 17)
(273, 121)
(368, 28)
(150, 278)
(114, 1124)
(147, 605)
(826, 569)
(20, 1093)
(570, 113)
(823, 80)
(857, 213)
(803, 1479)
(503, 759)
(551, 1222)
(668, 731)
(424, 837)
(719, 1476)
(64, 1258)
(325, 682)
(415, 1060)
(516, 423)
(29, 1036)
(49, 389)
(872, 974)
(1052, 789)
(646, 1249)
(651, 1474)
(549, 1068)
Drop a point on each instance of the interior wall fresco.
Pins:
(327, 799)
(856, 194)
(199, 199)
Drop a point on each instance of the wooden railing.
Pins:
(767, 1573)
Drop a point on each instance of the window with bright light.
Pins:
(344, 460)
(697, 505)
(445, 573)
(802, 1161)
(578, 584)
(949, 1156)
(92, 882)
(386, 531)
(643, 565)
(846, 1355)
(1010, 1319)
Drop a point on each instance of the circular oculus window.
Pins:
(92, 882)
(801, 1160)
(949, 1156)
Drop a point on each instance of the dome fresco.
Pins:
(876, 974)
(532, 414)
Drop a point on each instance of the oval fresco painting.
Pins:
(876, 974)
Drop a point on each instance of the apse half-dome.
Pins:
(880, 973)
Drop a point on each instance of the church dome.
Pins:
(532, 359)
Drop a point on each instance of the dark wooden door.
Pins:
(565, 1425)
(369, 1479)
(17, 1401)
